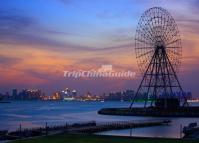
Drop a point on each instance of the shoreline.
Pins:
(87, 138)
(188, 112)
(88, 128)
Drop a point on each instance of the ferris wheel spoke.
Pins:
(150, 21)
(149, 25)
(173, 52)
(154, 26)
(143, 41)
(145, 47)
(170, 31)
(146, 36)
(144, 62)
(171, 47)
(173, 35)
(145, 26)
(174, 61)
(172, 42)
(144, 54)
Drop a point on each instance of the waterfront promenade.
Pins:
(80, 128)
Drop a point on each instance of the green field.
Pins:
(77, 138)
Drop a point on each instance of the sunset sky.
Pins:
(39, 39)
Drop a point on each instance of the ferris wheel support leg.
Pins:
(151, 73)
(163, 73)
(185, 99)
(137, 92)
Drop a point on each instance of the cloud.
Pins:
(91, 62)
(18, 28)
(9, 61)
(189, 25)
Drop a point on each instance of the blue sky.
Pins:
(41, 38)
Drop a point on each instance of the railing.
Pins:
(81, 127)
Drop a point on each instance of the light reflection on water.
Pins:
(36, 113)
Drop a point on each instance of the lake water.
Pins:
(37, 113)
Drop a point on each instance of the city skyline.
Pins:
(41, 39)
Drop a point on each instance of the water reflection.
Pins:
(36, 113)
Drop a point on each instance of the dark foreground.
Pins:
(152, 111)
(81, 138)
(83, 128)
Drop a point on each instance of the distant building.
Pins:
(188, 95)
(30, 94)
(14, 93)
(74, 93)
(126, 95)
(67, 93)
(1, 96)
(114, 96)
(56, 96)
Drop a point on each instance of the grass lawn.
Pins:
(69, 138)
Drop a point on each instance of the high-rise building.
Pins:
(30, 94)
(74, 93)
